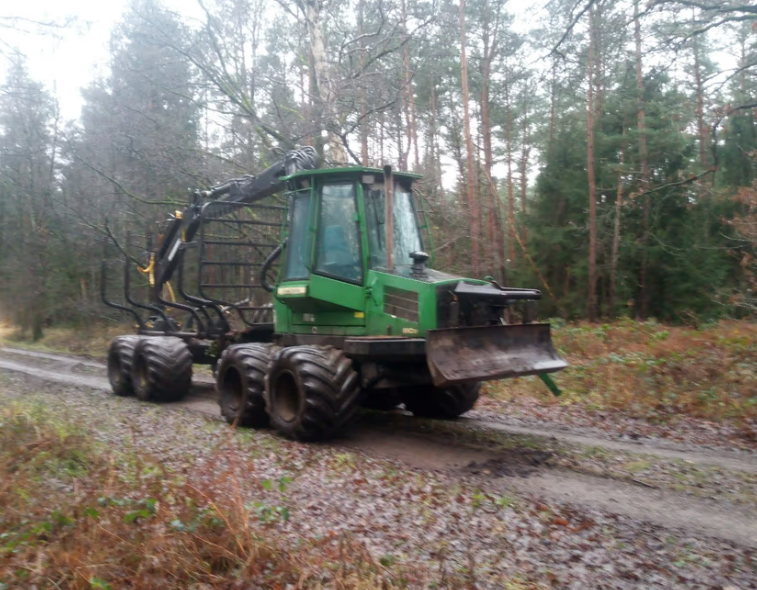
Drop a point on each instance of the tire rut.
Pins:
(523, 472)
(515, 471)
(201, 398)
(724, 458)
(53, 357)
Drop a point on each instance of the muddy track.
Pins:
(521, 471)
(725, 458)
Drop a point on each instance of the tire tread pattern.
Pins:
(169, 369)
(121, 351)
(329, 384)
(252, 361)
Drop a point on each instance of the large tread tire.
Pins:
(312, 392)
(442, 402)
(240, 383)
(120, 355)
(162, 369)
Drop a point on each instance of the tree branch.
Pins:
(569, 29)
(121, 187)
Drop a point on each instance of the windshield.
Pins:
(407, 238)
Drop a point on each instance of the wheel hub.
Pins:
(114, 371)
(286, 399)
(142, 376)
(231, 388)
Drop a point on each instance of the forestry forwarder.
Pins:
(356, 318)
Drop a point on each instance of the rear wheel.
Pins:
(311, 392)
(240, 383)
(120, 357)
(442, 402)
(161, 370)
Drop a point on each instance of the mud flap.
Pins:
(460, 355)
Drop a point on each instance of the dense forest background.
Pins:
(602, 151)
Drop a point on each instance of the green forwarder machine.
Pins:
(316, 303)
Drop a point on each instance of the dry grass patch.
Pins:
(652, 371)
(91, 341)
(79, 516)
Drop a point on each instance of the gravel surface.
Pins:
(441, 520)
(721, 476)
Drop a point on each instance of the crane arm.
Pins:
(222, 198)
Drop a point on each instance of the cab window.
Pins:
(299, 240)
(407, 237)
(338, 244)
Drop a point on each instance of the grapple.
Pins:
(461, 355)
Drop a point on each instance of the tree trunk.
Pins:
(742, 65)
(486, 131)
(552, 108)
(435, 162)
(524, 153)
(616, 230)
(363, 98)
(510, 190)
(483, 203)
(644, 184)
(456, 143)
(323, 87)
(700, 105)
(400, 146)
(408, 95)
(472, 198)
(592, 299)
(598, 62)
(304, 105)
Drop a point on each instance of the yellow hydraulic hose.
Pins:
(150, 270)
(170, 292)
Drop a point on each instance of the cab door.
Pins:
(336, 280)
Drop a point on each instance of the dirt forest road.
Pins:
(702, 497)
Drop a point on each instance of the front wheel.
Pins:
(442, 402)
(240, 383)
(312, 392)
(162, 369)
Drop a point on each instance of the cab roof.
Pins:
(349, 170)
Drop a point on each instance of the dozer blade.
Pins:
(459, 355)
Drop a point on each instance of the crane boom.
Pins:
(247, 189)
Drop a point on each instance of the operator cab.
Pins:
(325, 236)
(335, 245)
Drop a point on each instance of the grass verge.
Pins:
(81, 516)
(651, 371)
(90, 341)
